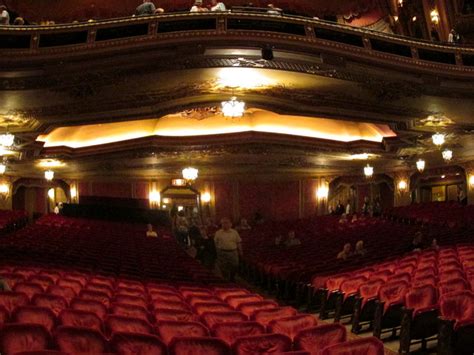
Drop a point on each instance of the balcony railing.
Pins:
(37, 40)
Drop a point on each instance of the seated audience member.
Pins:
(4, 285)
(359, 248)
(150, 232)
(343, 219)
(272, 10)
(194, 231)
(354, 219)
(217, 6)
(4, 16)
(182, 229)
(417, 243)
(56, 209)
(377, 208)
(244, 225)
(434, 244)
(146, 8)
(278, 240)
(197, 7)
(345, 253)
(19, 21)
(292, 240)
(339, 208)
(205, 249)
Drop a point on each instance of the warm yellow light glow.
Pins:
(206, 197)
(368, 171)
(322, 192)
(362, 156)
(180, 208)
(7, 152)
(402, 185)
(51, 193)
(243, 78)
(4, 188)
(434, 16)
(395, 18)
(154, 196)
(420, 165)
(255, 120)
(50, 163)
(190, 174)
(73, 192)
(166, 200)
(471, 180)
(49, 175)
(3, 168)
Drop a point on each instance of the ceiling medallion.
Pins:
(435, 121)
(200, 113)
(233, 108)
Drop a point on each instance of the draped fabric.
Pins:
(70, 10)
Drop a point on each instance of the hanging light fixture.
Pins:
(447, 155)
(438, 139)
(233, 107)
(368, 171)
(190, 174)
(49, 175)
(3, 168)
(7, 139)
(420, 165)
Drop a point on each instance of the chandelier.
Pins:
(49, 175)
(438, 139)
(420, 165)
(7, 139)
(190, 174)
(447, 155)
(3, 168)
(233, 108)
(368, 171)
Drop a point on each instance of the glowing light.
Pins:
(50, 163)
(3, 168)
(438, 139)
(51, 193)
(434, 14)
(368, 171)
(206, 197)
(322, 192)
(49, 175)
(447, 154)
(395, 18)
(400, 3)
(180, 208)
(242, 78)
(420, 165)
(73, 192)
(402, 185)
(7, 139)
(154, 196)
(471, 180)
(443, 176)
(413, 18)
(190, 174)
(166, 200)
(233, 108)
(4, 189)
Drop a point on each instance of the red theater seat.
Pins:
(128, 310)
(53, 302)
(114, 324)
(132, 292)
(35, 315)
(95, 307)
(457, 306)
(137, 344)
(317, 338)
(230, 331)
(171, 314)
(131, 284)
(3, 315)
(236, 301)
(105, 281)
(72, 284)
(201, 308)
(224, 293)
(100, 288)
(43, 280)
(82, 319)
(262, 344)
(166, 296)
(212, 318)
(365, 346)
(28, 288)
(9, 300)
(76, 340)
(132, 300)
(95, 296)
(66, 292)
(265, 316)
(15, 338)
(161, 304)
(251, 307)
(167, 330)
(291, 326)
(198, 346)
(192, 300)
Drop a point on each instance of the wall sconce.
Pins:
(154, 197)
(4, 190)
(402, 185)
(73, 192)
(395, 18)
(400, 3)
(206, 197)
(166, 200)
(322, 192)
(434, 14)
(49, 175)
(471, 180)
(51, 193)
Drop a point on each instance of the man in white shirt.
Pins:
(197, 7)
(348, 207)
(229, 248)
(217, 6)
(4, 16)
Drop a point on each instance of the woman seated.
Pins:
(359, 248)
(150, 232)
(292, 240)
(345, 253)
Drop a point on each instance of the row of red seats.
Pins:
(10, 220)
(410, 294)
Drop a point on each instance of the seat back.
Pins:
(352, 285)
(230, 331)
(171, 314)
(290, 326)
(9, 300)
(130, 343)
(317, 338)
(53, 302)
(132, 300)
(28, 288)
(98, 296)
(35, 315)
(265, 316)
(79, 340)
(114, 324)
(198, 346)
(201, 308)
(212, 318)
(77, 318)
(168, 330)
(457, 305)
(89, 306)
(454, 285)
(421, 297)
(262, 344)
(127, 310)
(334, 282)
(251, 307)
(363, 346)
(393, 292)
(66, 292)
(236, 300)
(16, 338)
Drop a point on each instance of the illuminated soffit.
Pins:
(179, 125)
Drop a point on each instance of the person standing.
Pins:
(217, 6)
(4, 16)
(229, 248)
(146, 8)
(197, 7)
(348, 207)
